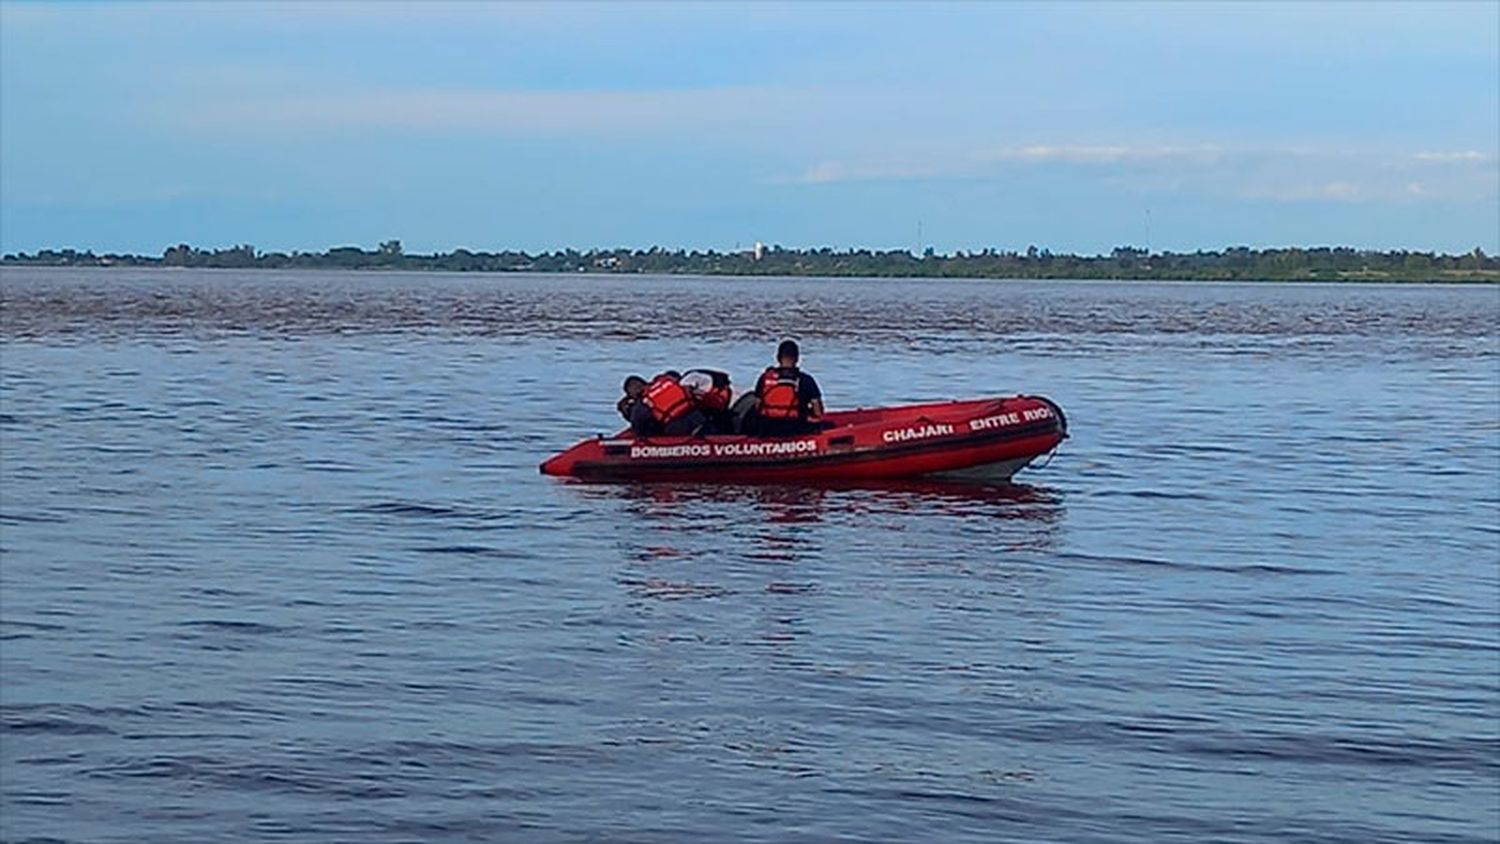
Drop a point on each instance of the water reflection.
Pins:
(779, 593)
(813, 504)
(775, 504)
(693, 541)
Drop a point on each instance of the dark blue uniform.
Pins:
(807, 392)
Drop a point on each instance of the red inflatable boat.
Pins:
(981, 438)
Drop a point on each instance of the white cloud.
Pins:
(1103, 154)
(1367, 189)
(1279, 174)
(1069, 154)
(1340, 190)
(824, 172)
(1450, 157)
(1323, 191)
(827, 172)
(987, 162)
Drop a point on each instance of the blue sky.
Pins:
(1075, 127)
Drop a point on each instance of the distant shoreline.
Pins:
(1479, 281)
(1319, 264)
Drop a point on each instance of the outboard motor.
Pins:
(741, 409)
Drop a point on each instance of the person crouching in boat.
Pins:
(711, 394)
(790, 402)
(634, 386)
(666, 408)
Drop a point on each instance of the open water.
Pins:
(276, 565)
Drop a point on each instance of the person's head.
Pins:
(634, 386)
(787, 353)
(673, 374)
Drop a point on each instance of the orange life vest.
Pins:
(778, 395)
(667, 400)
(715, 400)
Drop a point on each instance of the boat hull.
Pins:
(986, 438)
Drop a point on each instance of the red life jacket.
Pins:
(715, 400)
(667, 400)
(778, 394)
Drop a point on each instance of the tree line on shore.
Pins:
(1125, 262)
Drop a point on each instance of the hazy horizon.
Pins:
(739, 247)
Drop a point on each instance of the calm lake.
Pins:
(278, 565)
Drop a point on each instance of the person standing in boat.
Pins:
(790, 402)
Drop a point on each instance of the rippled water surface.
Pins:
(278, 565)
